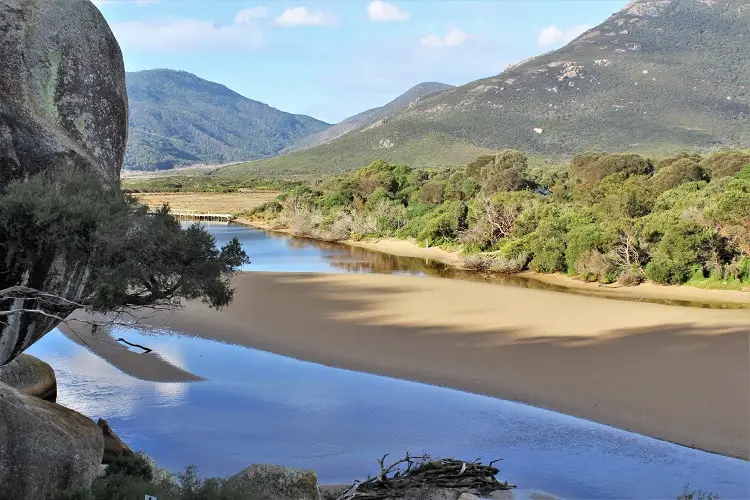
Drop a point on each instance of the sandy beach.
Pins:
(675, 373)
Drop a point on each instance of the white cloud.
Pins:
(453, 38)
(553, 35)
(301, 16)
(247, 16)
(378, 10)
(188, 35)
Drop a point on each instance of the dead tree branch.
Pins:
(413, 473)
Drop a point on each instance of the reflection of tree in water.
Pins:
(361, 260)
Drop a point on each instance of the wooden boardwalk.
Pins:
(194, 215)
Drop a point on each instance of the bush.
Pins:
(726, 164)
(588, 169)
(669, 272)
(547, 245)
(437, 230)
(679, 172)
(583, 240)
(631, 277)
(595, 266)
(505, 171)
(130, 465)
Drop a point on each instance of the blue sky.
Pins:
(333, 59)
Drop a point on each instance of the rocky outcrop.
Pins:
(31, 376)
(113, 445)
(44, 447)
(274, 482)
(63, 107)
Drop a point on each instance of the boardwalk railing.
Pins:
(195, 215)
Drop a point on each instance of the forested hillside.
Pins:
(656, 77)
(177, 118)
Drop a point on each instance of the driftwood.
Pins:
(423, 473)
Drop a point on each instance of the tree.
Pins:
(505, 171)
(679, 172)
(726, 164)
(588, 169)
(54, 232)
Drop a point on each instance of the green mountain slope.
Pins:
(177, 118)
(370, 116)
(657, 76)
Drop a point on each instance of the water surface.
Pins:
(256, 407)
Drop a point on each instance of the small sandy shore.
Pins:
(675, 373)
(652, 291)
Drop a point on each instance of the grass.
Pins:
(716, 284)
(236, 203)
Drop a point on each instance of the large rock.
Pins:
(44, 448)
(63, 106)
(31, 376)
(274, 482)
(113, 445)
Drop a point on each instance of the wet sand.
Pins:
(674, 373)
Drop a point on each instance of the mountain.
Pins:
(370, 116)
(177, 118)
(656, 77)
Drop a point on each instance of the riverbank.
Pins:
(678, 374)
(646, 291)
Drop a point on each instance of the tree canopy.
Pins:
(127, 257)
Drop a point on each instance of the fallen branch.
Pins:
(410, 473)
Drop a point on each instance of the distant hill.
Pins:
(656, 77)
(177, 118)
(370, 116)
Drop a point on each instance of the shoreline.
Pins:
(646, 291)
(675, 374)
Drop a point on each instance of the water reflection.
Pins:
(257, 407)
(223, 407)
(336, 257)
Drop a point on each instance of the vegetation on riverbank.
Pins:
(602, 217)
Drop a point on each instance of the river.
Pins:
(256, 407)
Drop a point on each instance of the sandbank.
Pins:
(675, 373)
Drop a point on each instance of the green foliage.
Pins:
(726, 164)
(135, 258)
(506, 171)
(547, 246)
(680, 248)
(585, 239)
(588, 169)
(131, 465)
(679, 172)
(674, 227)
(132, 482)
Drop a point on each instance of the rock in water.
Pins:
(31, 376)
(274, 482)
(44, 448)
(113, 445)
(63, 106)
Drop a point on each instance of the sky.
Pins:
(334, 58)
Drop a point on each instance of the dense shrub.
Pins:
(679, 172)
(584, 240)
(726, 164)
(588, 169)
(505, 171)
(609, 216)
